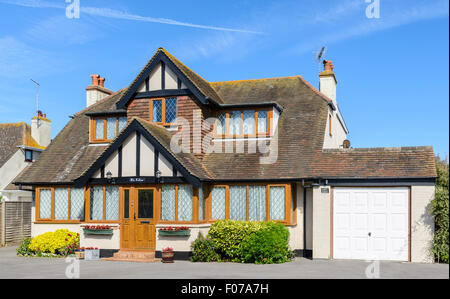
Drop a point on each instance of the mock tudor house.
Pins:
(20, 146)
(173, 149)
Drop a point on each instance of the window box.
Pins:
(177, 231)
(98, 230)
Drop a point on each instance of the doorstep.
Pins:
(133, 256)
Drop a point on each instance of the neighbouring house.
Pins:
(20, 146)
(172, 149)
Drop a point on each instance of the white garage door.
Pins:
(370, 223)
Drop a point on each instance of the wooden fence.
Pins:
(15, 222)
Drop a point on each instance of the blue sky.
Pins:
(392, 71)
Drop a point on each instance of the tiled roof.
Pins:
(301, 130)
(12, 136)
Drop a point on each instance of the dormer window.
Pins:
(28, 156)
(164, 111)
(243, 123)
(105, 129)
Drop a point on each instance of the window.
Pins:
(201, 204)
(330, 124)
(251, 202)
(60, 204)
(104, 203)
(246, 123)
(28, 155)
(177, 203)
(164, 111)
(105, 129)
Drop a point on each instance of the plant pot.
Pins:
(167, 257)
(181, 233)
(79, 254)
(98, 231)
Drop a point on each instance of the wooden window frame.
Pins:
(288, 199)
(227, 134)
(93, 128)
(195, 199)
(52, 219)
(330, 125)
(87, 206)
(163, 111)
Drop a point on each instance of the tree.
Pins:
(440, 211)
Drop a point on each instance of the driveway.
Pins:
(12, 266)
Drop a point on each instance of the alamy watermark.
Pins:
(373, 270)
(73, 269)
(373, 9)
(73, 9)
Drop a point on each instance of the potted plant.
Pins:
(167, 255)
(98, 230)
(79, 253)
(183, 231)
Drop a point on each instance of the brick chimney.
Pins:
(328, 81)
(41, 129)
(96, 91)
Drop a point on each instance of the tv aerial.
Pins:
(320, 55)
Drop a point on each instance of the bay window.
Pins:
(245, 123)
(105, 129)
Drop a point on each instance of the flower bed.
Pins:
(98, 230)
(183, 231)
(52, 244)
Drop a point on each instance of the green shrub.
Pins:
(440, 210)
(267, 246)
(23, 249)
(203, 250)
(228, 235)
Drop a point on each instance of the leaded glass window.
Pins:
(61, 203)
(122, 123)
(111, 128)
(157, 111)
(249, 122)
(221, 123)
(99, 126)
(171, 110)
(238, 202)
(111, 203)
(168, 202)
(77, 204)
(262, 121)
(257, 203)
(96, 212)
(185, 204)
(218, 203)
(45, 203)
(277, 202)
(201, 204)
(235, 123)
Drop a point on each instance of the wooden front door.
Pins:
(138, 225)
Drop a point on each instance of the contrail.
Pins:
(117, 14)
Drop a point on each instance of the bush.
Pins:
(23, 249)
(228, 236)
(61, 242)
(203, 250)
(440, 209)
(267, 246)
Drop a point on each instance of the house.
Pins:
(20, 146)
(172, 149)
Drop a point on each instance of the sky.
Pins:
(392, 69)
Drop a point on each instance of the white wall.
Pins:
(321, 234)
(422, 224)
(11, 169)
(338, 132)
(171, 80)
(41, 131)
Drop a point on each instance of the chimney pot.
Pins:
(95, 79)
(328, 65)
(101, 82)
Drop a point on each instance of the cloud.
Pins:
(390, 18)
(117, 14)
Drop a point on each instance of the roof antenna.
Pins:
(320, 55)
(37, 97)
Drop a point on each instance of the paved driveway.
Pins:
(12, 266)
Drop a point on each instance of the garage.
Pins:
(371, 223)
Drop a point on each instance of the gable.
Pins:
(137, 155)
(162, 77)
